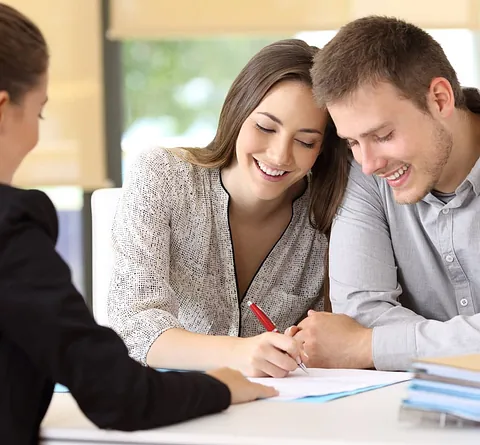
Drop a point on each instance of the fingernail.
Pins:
(299, 361)
(288, 330)
(305, 353)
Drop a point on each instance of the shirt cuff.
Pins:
(144, 329)
(394, 346)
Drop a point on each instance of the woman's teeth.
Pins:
(269, 171)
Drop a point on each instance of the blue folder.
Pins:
(312, 399)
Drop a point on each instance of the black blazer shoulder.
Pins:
(18, 206)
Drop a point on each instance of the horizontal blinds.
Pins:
(162, 19)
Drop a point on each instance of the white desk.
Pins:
(368, 418)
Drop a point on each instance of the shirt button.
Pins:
(445, 211)
(464, 302)
(449, 259)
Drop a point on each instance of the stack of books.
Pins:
(445, 389)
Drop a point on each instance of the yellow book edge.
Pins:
(469, 362)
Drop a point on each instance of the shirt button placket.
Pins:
(449, 258)
(454, 270)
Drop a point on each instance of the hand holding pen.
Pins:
(270, 327)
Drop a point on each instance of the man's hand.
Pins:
(333, 341)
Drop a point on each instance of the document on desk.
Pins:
(325, 382)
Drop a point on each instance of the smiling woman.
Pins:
(200, 231)
(281, 140)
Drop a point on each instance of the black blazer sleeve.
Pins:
(42, 313)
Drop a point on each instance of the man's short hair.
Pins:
(382, 49)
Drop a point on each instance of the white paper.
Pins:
(322, 382)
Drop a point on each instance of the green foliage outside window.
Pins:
(183, 81)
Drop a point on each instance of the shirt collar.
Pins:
(474, 177)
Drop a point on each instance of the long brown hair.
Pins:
(289, 59)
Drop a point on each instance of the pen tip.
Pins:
(303, 368)
(249, 303)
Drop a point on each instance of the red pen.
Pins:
(268, 325)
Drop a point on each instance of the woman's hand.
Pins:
(241, 389)
(269, 354)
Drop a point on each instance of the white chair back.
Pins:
(104, 204)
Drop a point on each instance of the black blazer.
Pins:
(47, 335)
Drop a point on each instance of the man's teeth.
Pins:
(399, 172)
(269, 171)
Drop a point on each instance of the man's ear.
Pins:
(441, 97)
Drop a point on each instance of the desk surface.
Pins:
(367, 418)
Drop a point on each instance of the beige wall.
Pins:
(71, 148)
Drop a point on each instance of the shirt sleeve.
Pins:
(141, 303)
(364, 285)
(43, 314)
